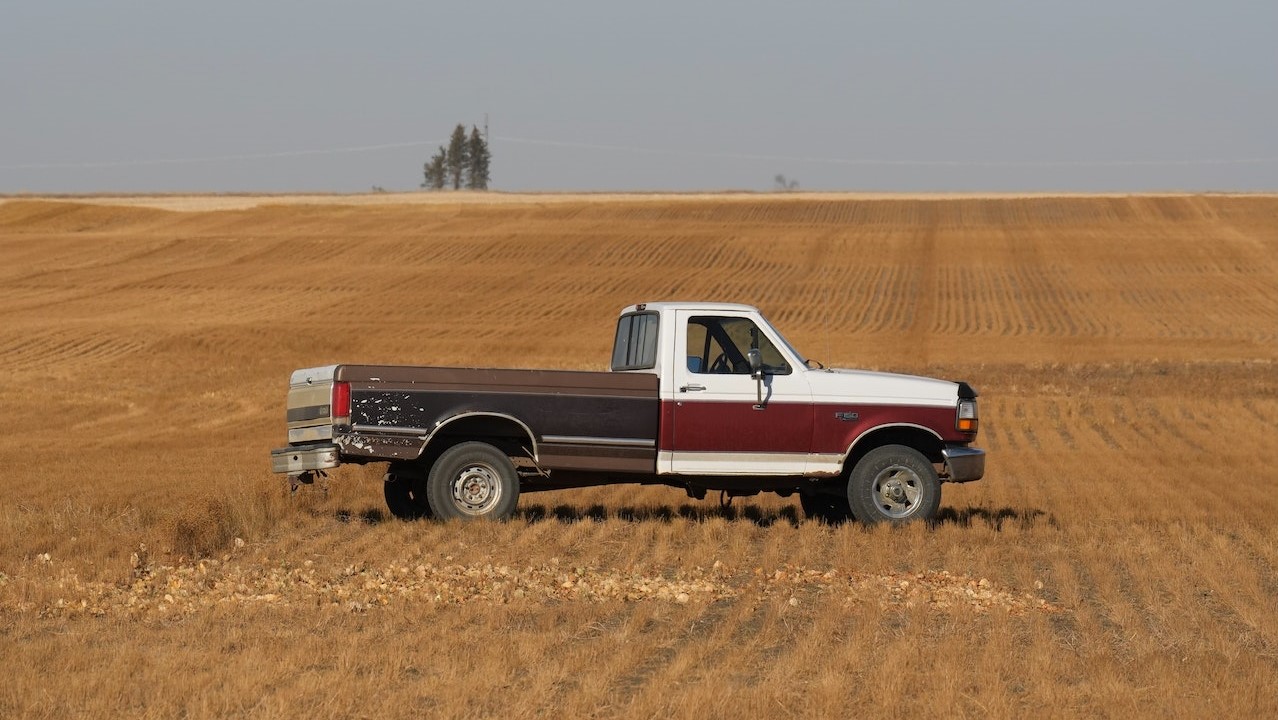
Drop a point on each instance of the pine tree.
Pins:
(457, 158)
(437, 170)
(465, 162)
(477, 173)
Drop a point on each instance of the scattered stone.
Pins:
(190, 587)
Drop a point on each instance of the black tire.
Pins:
(404, 486)
(470, 481)
(894, 484)
(826, 508)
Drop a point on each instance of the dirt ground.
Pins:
(1119, 559)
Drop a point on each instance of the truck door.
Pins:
(720, 428)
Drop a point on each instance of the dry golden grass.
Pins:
(1119, 559)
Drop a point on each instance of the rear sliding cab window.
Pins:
(636, 344)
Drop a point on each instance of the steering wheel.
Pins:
(721, 365)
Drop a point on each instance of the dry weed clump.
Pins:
(210, 526)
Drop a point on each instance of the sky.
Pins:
(592, 95)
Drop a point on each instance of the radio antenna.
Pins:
(825, 284)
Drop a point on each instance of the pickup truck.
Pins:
(701, 396)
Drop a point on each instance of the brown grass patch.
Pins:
(1118, 559)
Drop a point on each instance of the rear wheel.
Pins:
(404, 486)
(895, 484)
(472, 480)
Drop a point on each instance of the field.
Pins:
(1120, 558)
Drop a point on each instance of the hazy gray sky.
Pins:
(165, 95)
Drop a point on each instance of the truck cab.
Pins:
(723, 415)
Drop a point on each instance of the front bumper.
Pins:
(296, 460)
(963, 464)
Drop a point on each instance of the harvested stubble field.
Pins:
(1119, 559)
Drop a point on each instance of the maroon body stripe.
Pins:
(718, 426)
(724, 426)
(666, 431)
(833, 435)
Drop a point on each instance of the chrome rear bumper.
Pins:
(963, 464)
(296, 460)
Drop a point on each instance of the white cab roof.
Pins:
(664, 307)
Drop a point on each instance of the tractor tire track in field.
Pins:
(1053, 413)
(658, 661)
(65, 348)
(1026, 427)
(1214, 599)
(1095, 424)
(1144, 435)
(1164, 425)
(1265, 418)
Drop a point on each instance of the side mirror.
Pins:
(755, 358)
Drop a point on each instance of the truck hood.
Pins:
(880, 388)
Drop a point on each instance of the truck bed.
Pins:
(594, 421)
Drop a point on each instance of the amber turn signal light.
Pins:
(966, 418)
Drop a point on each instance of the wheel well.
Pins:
(502, 432)
(913, 437)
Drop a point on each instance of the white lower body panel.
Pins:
(735, 463)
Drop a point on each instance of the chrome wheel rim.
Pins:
(898, 491)
(477, 489)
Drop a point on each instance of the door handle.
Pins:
(692, 387)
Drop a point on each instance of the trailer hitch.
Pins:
(307, 477)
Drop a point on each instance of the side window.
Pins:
(718, 345)
(636, 345)
(703, 348)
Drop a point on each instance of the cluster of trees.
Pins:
(464, 163)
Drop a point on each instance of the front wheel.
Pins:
(472, 480)
(895, 484)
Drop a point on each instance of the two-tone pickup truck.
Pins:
(701, 396)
